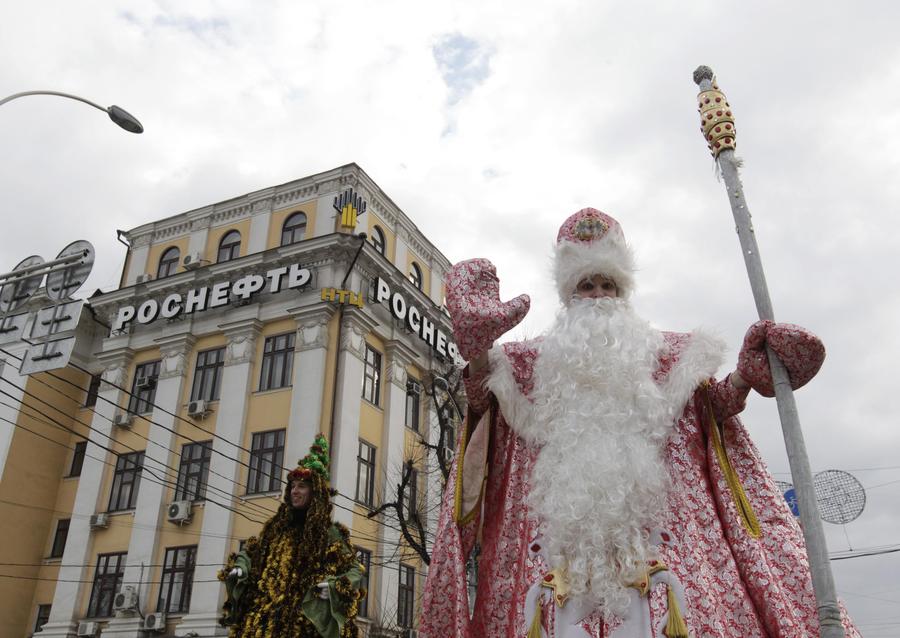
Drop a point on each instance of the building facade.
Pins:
(239, 331)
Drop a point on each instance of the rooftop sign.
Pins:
(212, 296)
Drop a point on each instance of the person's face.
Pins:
(596, 286)
(301, 495)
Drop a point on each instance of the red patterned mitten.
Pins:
(477, 314)
(799, 350)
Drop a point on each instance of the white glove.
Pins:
(237, 572)
(324, 593)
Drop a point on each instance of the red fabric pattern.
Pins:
(477, 314)
(801, 352)
(735, 586)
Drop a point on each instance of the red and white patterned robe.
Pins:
(729, 583)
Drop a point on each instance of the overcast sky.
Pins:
(490, 122)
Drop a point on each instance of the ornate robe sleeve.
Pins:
(477, 396)
(726, 400)
(235, 588)
(344, 593)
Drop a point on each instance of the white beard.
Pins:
(599, 483)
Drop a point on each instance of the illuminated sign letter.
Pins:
(196, 300)
(148, 311)
(125, 315)
(383, 292)
(398, 305)
(412, 319)
(218, 296)
(298, 276)
(171, 306)
(441, 344)
(427, 332)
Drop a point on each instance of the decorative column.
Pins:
(148, 512)
(74, 573)
(345, 436)
(259, 226)
(308, 380)
(137, 263)
(400, 241)
(214, 544)
(436, 285)
(199, 235)
(326, 217)
(9, 370)
(393, 444)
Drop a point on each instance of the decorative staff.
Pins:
(719, 131)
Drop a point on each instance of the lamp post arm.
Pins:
(58, 93)
(117, 114)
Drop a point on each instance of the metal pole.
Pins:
(718, 129)
(30, 271)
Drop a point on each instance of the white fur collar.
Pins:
(697, 361)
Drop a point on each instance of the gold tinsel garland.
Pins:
(286, 561)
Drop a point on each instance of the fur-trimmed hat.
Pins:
(592, 243)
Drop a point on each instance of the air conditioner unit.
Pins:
(99, 521)
(143, 382)
(191, 261)
(198, 408)
(126, 599)
(123, 420)
(180, 512)
(154, 622)
(88, 628)
(142, 279)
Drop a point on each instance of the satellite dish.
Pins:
(15, 294)
(841, 497)
(63, 283)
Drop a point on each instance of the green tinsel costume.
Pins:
(277, 596)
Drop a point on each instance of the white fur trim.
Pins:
(609, 256)
(697, 362)
(703, 355)
(516, 407)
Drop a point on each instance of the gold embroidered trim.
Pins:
(557, 580)
(742, 503)
(643, 585)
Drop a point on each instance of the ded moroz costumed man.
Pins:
(300, 577)
(605, 473)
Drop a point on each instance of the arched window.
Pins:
(230, 246)
(294, 229)
(168, 263)
(378, 239)
(415, 275)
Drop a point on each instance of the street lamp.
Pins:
(116, 113)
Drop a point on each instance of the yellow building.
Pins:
(239, 331)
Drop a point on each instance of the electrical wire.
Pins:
(156, 406)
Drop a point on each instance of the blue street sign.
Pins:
(791, 497)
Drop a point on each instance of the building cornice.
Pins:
(292, 193)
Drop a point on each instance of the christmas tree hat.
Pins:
(316, 461)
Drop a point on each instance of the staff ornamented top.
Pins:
(716, 120)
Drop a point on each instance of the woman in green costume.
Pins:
(299, 578)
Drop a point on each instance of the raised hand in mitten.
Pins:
(799, 350)
(476, 312)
